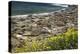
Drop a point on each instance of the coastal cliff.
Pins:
(43, 25)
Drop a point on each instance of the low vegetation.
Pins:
(67, 40)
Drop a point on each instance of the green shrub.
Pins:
(68, 40)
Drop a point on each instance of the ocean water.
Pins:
(22, 8)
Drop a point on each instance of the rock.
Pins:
(59, 30)
(45, 30)
(20, 37)
(26, 33)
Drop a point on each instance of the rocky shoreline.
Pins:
(43, 25)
